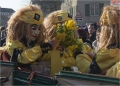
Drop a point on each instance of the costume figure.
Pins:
(25, 37)
(107, 56)
(52, 19)
(25, 42)
(55, 18)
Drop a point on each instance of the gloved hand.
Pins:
(15, 55)
(94, 67)
(46, 47)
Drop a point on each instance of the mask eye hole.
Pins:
(34, 26)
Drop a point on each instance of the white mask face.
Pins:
(33, 32)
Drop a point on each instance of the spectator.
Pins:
(95, 44)
(83, 35)
(92, 27)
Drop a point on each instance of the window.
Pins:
(94, 9)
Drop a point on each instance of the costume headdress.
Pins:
(33, 17)
(62, 16)
(109, 17)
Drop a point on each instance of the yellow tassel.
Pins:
(56, 64)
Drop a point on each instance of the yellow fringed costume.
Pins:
(30, 55)
(105, 58)
(27, 56)
(84, 59)
(20, 26)
(108, 55)
(68, 61)
(114, 71)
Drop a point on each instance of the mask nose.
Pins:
(37, 32)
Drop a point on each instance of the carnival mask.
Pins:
(33, 32)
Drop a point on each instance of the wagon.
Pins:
(17, 77)
(76, 79)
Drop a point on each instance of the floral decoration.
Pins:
(65, 34)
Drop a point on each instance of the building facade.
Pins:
(48, 6)
(5, 14)
(84, 11)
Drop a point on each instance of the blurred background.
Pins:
(83, 11)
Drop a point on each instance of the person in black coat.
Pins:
(92, 27)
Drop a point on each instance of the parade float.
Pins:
(17, 77)
(11, 75)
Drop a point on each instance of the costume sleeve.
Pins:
(83, 62)
(30, 55)
(114, 71)
(27, 55)
(67, 60)
(87, 48)
(107, 58)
